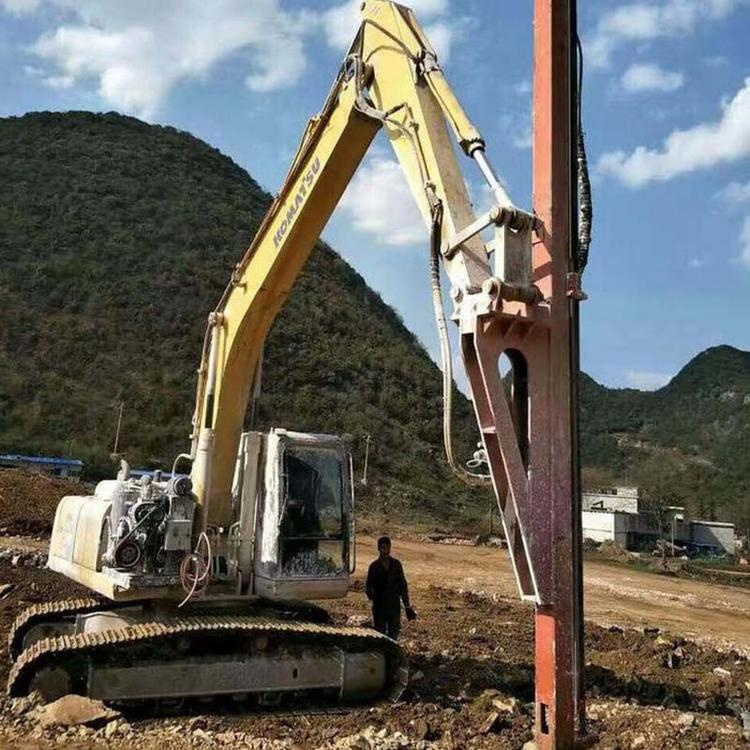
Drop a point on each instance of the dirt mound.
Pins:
(28, 501)
(613, 551)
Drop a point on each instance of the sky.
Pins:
(666, 115)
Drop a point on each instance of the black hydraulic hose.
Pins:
(585, 207)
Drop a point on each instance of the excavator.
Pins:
(204, 583)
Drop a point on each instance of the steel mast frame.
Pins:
(531, 438)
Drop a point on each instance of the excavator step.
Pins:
(213, 655)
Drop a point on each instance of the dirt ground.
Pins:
(471, 653)
(28, 501)
(614, 594)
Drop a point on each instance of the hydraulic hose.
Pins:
(445, 353)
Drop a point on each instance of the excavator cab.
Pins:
(295, 497)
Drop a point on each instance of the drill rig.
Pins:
(205, 581)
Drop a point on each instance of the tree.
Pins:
(743, 522)
(658, 480)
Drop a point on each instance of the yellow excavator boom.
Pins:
(390, 79)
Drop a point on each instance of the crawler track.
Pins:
(127, 644)
(38, 614)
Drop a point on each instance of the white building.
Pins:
(618, 514)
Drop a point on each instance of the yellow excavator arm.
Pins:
(390, 79)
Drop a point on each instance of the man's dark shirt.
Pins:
(387, 586)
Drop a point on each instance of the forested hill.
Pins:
(116, 240)
(695, 430)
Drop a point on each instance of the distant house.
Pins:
(621, 515)
(56, 467)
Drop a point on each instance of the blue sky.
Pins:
(667, 116)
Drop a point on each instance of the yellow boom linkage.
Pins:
(391, 79)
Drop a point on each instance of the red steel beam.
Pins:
(530, 435)
(555, 633)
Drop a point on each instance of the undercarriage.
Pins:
(134, 652)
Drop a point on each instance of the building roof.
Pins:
(51, 460)
(712, 523)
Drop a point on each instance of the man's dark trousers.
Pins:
(387, 620)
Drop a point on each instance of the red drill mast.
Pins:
(531, 442)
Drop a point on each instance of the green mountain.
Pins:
(697, 428)
(116, 240)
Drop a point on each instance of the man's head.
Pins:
(384, 546)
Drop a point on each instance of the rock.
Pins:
(21, 706)
(111, 729)
(639, 741)
(650, 631)
(505, 705)
(421, 729)
(616, 629)
(723, 673)
(197, 722)
(686, 720)
(745, 719)
(662, 641)
(489, 722)
(359, 621)
(74, 710)
(674, 658)
(17, 561)
(5, 589)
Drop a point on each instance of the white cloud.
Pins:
(735, 193)
(524, 139)
(381, 204)
(647, 381)
(341, 22)
(695, 263)
(745, 243)
(441, 35)
(650, 77)
(705, 145)
(518, 129)
(20, 6)
(136, 51)
(716, 61)
(644, 21)
(59, 82)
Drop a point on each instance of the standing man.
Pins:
(386, 588)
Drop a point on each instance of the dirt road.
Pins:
(705, 612)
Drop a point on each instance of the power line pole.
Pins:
(119, 426)
(367, 455)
